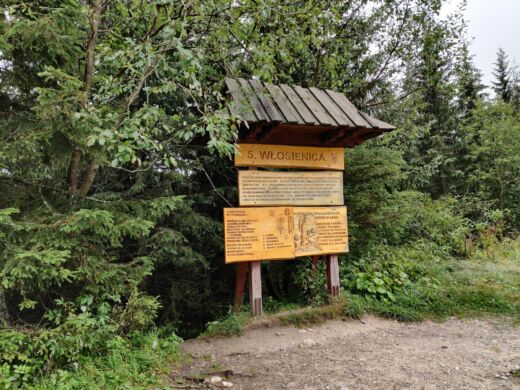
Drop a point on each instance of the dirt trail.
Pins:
(373, 353)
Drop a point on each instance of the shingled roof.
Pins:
(278, 113)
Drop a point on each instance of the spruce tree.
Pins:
(469, 86)
(515, 96)
(503, 84)
(435, 69)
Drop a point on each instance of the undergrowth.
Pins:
(231, 325)
(136, 362)
(486, 283)
(435, 288)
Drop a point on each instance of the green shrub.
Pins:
(82, 353)
(356, 306)
(231, 325)
(271, 305)
(311, 285)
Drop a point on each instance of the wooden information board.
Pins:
(262, 188)
(270, 233)
(256, 155)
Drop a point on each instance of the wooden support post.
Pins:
(333, 276)
(255, 288)
(240, 284)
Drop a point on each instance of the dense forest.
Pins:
(115, 166)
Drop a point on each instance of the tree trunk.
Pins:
(75, 160)
(90, 175)
(4, 312)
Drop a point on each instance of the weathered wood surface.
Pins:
(255, 288)
(262, 188)
(240, 284)
(271, 233)
(319, 115)
(332, 108)
(299, 105)
(333, 283)
(314, 106)
(305, 135)
(294, 104)
(239, 105)
(289, 111)
(271, 109)
(259, 110)
(349, 109)
(285, 156)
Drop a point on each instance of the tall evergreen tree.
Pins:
(503, 85)
(515, 96)
(435, 72)
(469, 85)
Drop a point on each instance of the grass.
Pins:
(231, 325)
(312, 315)
(138, 363)
(486, 284)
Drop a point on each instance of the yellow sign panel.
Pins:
(256, 155)
(270, 233)
(261, 188)
(258, 233)
(320, 230)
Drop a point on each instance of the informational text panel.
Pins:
(263, 188)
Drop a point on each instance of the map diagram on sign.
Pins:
(306, 235)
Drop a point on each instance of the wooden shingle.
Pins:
(293, 115)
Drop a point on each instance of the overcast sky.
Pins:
(491, 24)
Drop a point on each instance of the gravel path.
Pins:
(373, 353)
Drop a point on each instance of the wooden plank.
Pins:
(314, 106)
(366, 117)
(348, 108)
(255, 288)
(298, 104)
(333, 283)
(331, 107)
(240, 284)
(285, 156)
(285, 106)
(273, 233)
(270, 107)
(262, 188)
(376, 123)
(239, 106)
(255, 103)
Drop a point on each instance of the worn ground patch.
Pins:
(372, 353)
